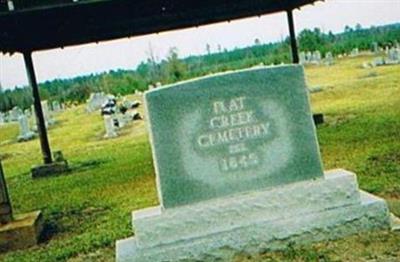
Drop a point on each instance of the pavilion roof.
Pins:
(45, 24)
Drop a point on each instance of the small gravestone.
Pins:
(15, 113)
(393, 56)
(27, 113)
(375, 47)
(2, 120)
(49, 121)
(56, 106)
(309, 57)
(238, 168)
(25, 133)
(302, 58)
(95, 101)
(20, 230)
(109, 126)
(354, 52)
(328, 59)
(316, 57)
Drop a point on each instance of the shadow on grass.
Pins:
(70, 221)
(86, 165)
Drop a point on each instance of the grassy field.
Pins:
(89, 208)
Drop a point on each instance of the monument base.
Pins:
(303, 212)
(113, 135)
(26, 137)
(22, 232)
(55, 168)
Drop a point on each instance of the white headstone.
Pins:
(302, 58)
(109, 126)
(308, 57)
(121, 120)
(375, 47)
(95, 101)
(393, 55)
(56, 106)
(46, 114)
(355, 52)
(328, 58)
(24, 132)
(15, 113)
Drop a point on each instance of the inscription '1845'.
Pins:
(232, 124)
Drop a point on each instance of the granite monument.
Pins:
(238, 168)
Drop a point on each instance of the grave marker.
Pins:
(238, 168)
(240, 136)
(109, 126)
(25, 133)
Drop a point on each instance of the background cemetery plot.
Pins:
(88, 209)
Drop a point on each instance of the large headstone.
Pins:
(238, 168)
(240, 136)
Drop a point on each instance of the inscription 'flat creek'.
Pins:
(230, 133)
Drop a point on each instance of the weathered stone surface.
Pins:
(261, 234)
(23, 232)
(154, 227)
(230, 133)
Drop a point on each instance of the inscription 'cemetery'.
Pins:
(232, 124)
(246, 137)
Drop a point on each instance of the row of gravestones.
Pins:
(115, 116)
(14, 114)
(25, 130)
(117, 121)
(315, 58)
(392, 58)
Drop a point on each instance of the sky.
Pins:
(127, 53)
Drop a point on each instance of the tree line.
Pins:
(173, 69)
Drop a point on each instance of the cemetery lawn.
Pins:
(88, 209)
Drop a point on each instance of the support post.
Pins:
(5, 205)
(41, 126)
(293, 43)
